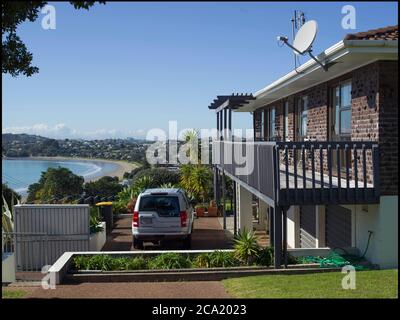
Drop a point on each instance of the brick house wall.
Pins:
(374, 117)
(389, 126)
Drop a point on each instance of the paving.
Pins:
(207, 234)
(156, 290)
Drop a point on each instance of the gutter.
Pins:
(341, 48)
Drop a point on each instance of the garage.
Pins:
(337, 226)
(307, 227)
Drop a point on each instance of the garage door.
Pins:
(338, 227)
(307, 227)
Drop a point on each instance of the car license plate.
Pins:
(146, 220)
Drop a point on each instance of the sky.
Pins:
(121, 69)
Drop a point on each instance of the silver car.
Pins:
(162, 214)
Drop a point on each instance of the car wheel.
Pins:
(187, 242)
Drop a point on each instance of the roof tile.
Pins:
(385, 33)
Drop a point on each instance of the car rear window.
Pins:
(165, 206)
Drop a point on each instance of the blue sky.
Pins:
(121, 69)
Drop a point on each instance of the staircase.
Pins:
(262, 238)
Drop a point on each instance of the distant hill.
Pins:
(23, 137)
(26, 145)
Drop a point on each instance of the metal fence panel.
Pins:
(44, 232)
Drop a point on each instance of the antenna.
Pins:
(297, 21)
(304, 40)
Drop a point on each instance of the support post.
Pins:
(284, 227)
(277, 237)
(234, 208)
(271, 226)
(223, 199)
(215, 183)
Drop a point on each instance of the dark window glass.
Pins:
(165, 206)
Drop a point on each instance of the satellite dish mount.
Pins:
(304, 40)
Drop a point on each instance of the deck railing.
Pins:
(308, 172)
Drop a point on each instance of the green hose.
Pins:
(336, 260)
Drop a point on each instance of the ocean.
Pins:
(18, 174)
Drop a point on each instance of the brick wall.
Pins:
(388, 126)
(374, 117)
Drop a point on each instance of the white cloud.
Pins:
(62, 131)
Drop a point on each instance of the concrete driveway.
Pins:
(207, 234)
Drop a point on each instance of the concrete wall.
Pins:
(8, 268)
(292, 227)
(382, 220)
(245, 209)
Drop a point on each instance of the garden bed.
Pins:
(176, 265)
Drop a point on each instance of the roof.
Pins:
(385, 33)
(354, 51)
(232, 101)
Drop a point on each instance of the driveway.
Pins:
(156, 290)
(207, 234)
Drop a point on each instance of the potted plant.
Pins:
(200, 210)
(212, 209)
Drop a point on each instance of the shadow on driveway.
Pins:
(207, 234)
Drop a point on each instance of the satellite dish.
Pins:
(305, 37)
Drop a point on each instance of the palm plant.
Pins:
(246, 247)
(168, 185)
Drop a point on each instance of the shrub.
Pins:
(223, 259)
(125, 263)
(119, 207)
(170, 260)
(157, 176)
(265, 256)
(246, 247)
(101, 262)
(95, 220)
(215, 259)
(137, 263)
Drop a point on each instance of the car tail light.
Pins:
(184, 217)
(135, 219)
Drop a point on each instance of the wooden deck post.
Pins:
(234, 208)
(223, 199)
(277, 237)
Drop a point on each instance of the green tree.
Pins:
(55, 183)
(16, 58)
(158, 176)
(196, 180)
(104, 187)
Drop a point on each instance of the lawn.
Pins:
(369, 284)
(12, 294)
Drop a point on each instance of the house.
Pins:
(323, 163)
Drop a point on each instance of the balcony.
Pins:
(304, 173)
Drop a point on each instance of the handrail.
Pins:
(306, 171)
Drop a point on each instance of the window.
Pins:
(341, 121)
(286, 120)
(270, 121)
(165, 206)
(259, 125)
(341, 111)
(302, 107)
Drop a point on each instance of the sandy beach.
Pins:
(122, 166)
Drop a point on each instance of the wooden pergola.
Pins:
(223, 106)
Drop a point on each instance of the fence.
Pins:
(44, 232)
